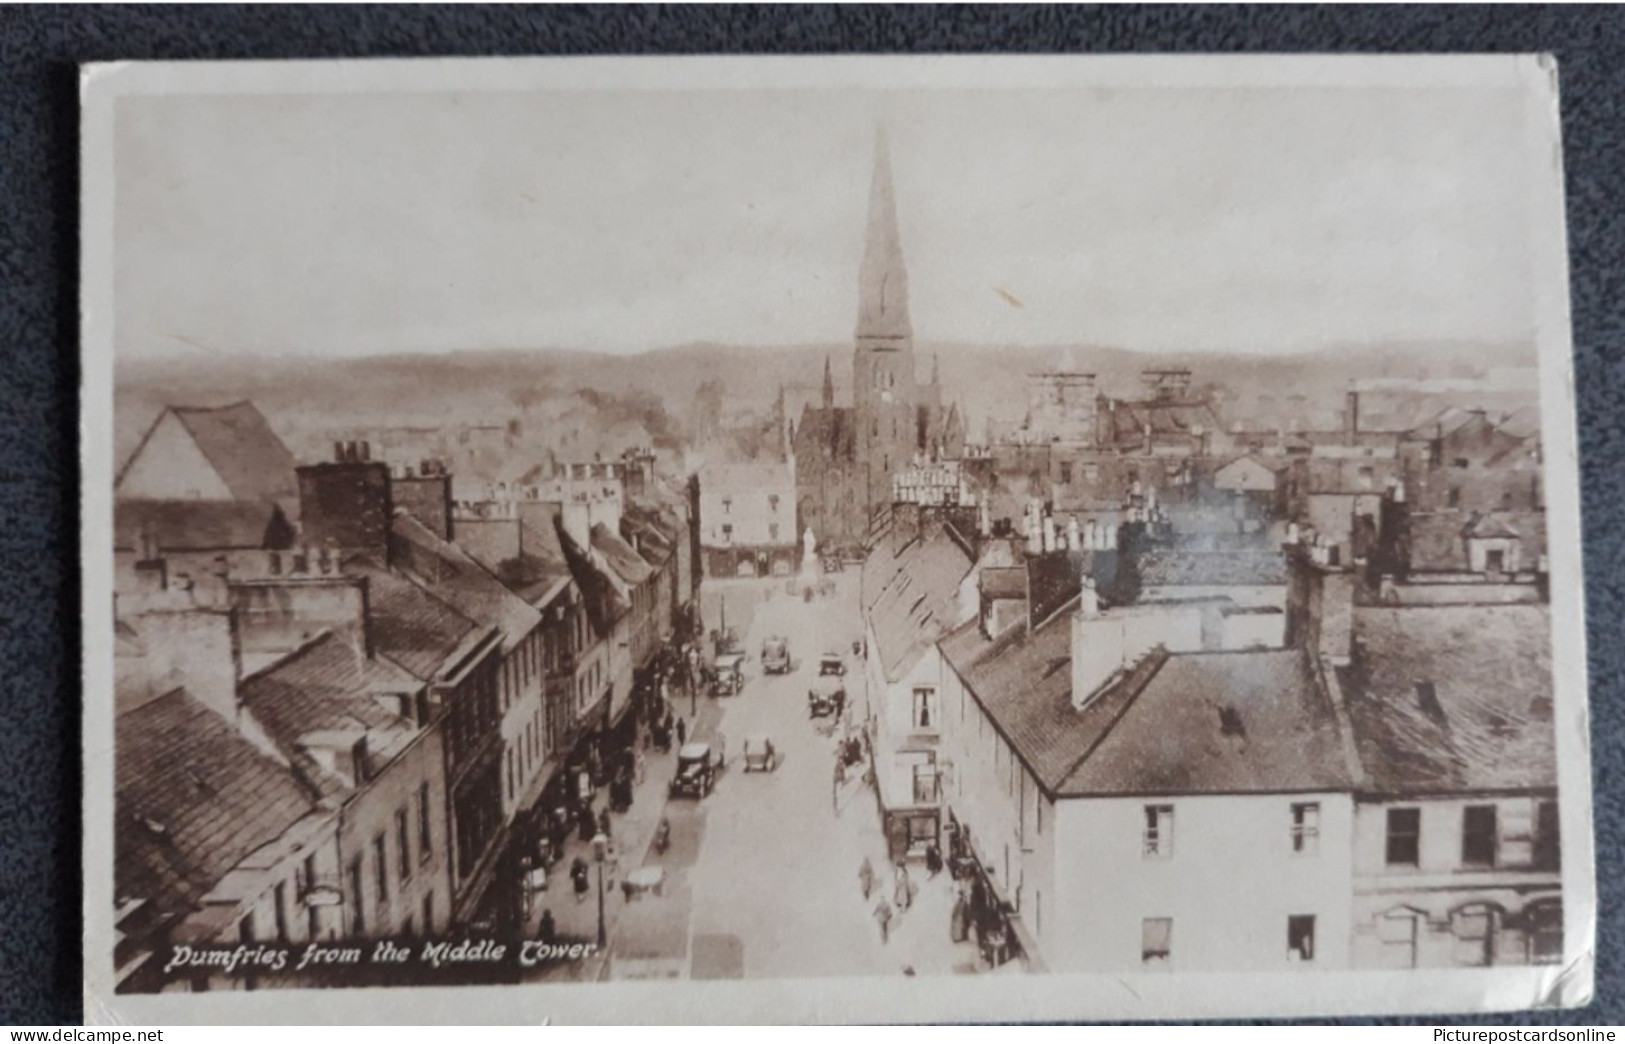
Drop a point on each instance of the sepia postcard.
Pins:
(719, 540)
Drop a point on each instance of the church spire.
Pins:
(883, 281)
(829, 386)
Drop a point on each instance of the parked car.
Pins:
(825, 698)
(760, 755)
(730, 678)
(831, 663)
(776, 655)
(696, 771)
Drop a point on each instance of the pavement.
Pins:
(761, 875)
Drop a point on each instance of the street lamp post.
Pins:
(599, 844)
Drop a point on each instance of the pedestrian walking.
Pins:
(637, 767)
(933, 860)
(903, 890)
(883, 917)
(578, 877)
(682, 731)
(546, 931)
(603, 822)
(866, 878)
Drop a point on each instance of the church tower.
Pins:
(884, 391)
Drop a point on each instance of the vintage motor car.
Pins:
(825, 698)
(831, 663)
(760, 755)
(729, 677)
(696, 771)
(776, 655)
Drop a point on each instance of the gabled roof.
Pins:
(193, 799)
(1453, 698)
(603, 594)
(453, 576)
(826, 432)
(238, 442)
(627, 563)
(408, 625)
(200, 525)
(329, 685)
(917, 604)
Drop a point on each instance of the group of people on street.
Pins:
(902, 894)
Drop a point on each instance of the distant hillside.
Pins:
(304, 397)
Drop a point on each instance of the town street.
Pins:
(774, 877)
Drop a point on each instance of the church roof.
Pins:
(826, 430)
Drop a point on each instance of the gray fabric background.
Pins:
(39, 578)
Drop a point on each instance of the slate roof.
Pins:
(602, 593)
(453, 576)
(626, 562)
(1023, 680)
(239, 444)
(1438, 539)
(539, 571)
(193, 799)
(407, 624)
(917, 604)
(329, 686)
(1004, 582)
(1170, 740)
(201, 525)
(1177, 568)
(1488, 724)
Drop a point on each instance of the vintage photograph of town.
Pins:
(604, 535)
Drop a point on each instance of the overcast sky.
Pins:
(1262, 220)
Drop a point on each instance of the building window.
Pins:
(1156, 939)
(1300, 938)
(727, 532)
(1547, 847)
(1495, 561)
(403, 839)
(773, 532)
(1545, 922)
(772, 501)
(1461, 462)
(925, 708)
(1306, 829)
(1066, 473)
(1158, 842)
(1453, 498)
(358, 919)
(925, 784)
(1404, 836)
(424, 849)
(380, 856)
(727, 505)
(1478, 835)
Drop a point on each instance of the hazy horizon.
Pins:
(1260, 221)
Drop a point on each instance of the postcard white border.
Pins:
(953, 999)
